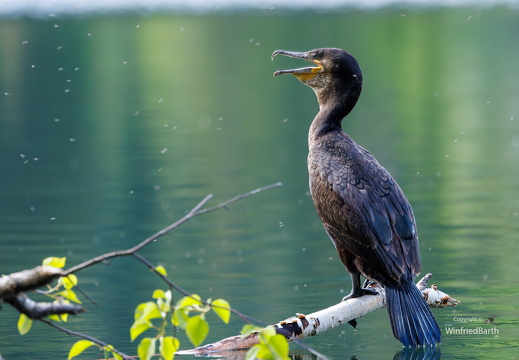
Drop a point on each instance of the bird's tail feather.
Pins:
(411, 319)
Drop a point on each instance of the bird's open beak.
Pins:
(303, 74)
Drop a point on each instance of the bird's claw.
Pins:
(359, 293)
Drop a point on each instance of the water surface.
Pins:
(112, 127)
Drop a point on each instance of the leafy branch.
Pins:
(13, 285)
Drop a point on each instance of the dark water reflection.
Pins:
(112, 127)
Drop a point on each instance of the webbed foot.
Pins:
(360, 292)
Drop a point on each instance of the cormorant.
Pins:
(363, 210)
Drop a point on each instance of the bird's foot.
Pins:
(359, 292)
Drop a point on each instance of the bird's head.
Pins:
(336, 74)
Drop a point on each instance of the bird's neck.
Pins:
(332, 110)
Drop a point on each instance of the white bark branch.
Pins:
(302, 326)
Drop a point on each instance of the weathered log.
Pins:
(302, 326)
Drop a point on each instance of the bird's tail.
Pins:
(411, 319)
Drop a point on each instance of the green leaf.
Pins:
(70, 295)
(24, 324)
(138, 327)
(197, 329)
(138, 311)
(187, 301)
(266, 333)
(146, 348)
(161, 270)
(60, 317)
(144, 312)
(253, 352)
(55, 317)
(159, 294)
(110, 348)
(184, 306)
(278, 346)
(147, 311)
(69, 281)
(272, 345)
(163, 301)
(264, 352)
(248, 329)
(168, 347)
(180, 318)
(222, 308)
(79, 347)
(55, 261)
(163, 306)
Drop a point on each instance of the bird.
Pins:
(363, 210)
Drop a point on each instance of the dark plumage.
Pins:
(363, 210)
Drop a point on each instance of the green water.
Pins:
(112, 127)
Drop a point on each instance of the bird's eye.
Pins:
(314, 55)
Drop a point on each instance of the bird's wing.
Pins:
(374, 218)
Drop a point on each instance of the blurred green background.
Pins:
(112, 126)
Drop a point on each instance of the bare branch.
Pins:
(191, 214)
(86, 337)
(139, 246)
(239, 197)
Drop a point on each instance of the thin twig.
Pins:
(139, 246)
(191, 214)
(85, 294)
(238, 197)
(86, 337)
